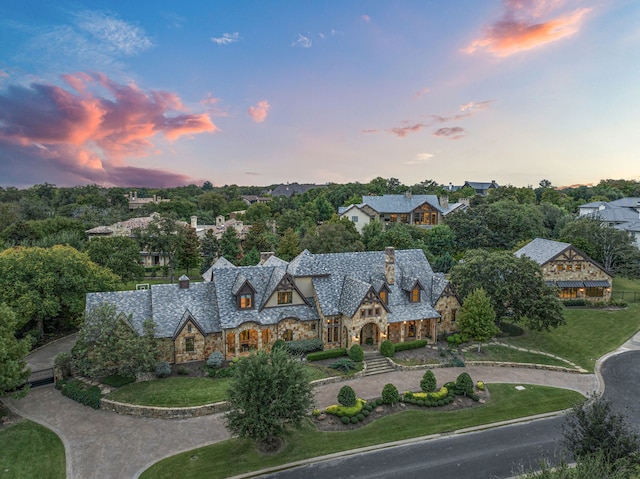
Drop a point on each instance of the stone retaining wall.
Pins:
(499, 364)
(163, 412)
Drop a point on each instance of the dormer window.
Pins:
(245, 301)
(384, 296)
(414, 296)
(285, 297)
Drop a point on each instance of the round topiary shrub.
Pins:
(345, 420)
(428, 381)
(369, 406)
(480, 385)
(464, 384)
(390, 394)
(279, 343)
(163, 369)
(360, 417)
(387, 348)
(365, 412)
(428, 403)
(420, 402)
(378, 401)
(354, 420)
(356, 353)
(215, 360)
(440, 402)
(347, 396)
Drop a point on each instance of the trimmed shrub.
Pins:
(215, 360)
(356, 353)
(428, 382)
(360, 417)
(441, 402)
(390, 394)
(419, 343)
(347, 396)
(575, 302)
(365, 412)
(480, 385)
(82, 393)
(354, 420)
(328, 354)
(427, 396)
(345, 365)
(62, 362)
(340, 411)
(163, 369)
(304, 346)
(387, 348)
(345, 419)
(618, 303)
(378, 401)
(279, 343)
(464, 384)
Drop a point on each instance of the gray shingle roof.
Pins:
(400, 203)
(542, 250)
(341, 282)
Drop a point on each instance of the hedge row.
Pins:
(81, 392)
(305, 346)
(419, 343)
(328, 354)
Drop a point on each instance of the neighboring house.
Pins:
(291, 189)
(127, 228)
(252, 199)
(341, 298)
(570, 270)
(622, 214)
(220, 227)
(135, 202)
(419, 210)
(482, 188)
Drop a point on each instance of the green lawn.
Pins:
(506, 403)
(30, 450)
(173, 392)
(589, 333)
(504, 354)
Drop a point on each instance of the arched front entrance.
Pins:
(370, 335)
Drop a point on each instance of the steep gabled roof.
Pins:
(542, 250)
(400, 203)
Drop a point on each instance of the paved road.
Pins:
(42, 358)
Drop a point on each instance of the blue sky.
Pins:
(166, 93)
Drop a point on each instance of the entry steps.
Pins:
(377, 364)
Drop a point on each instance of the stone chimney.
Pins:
(194, 222)
(389, 264)
(265, 255)
(407, 194)
(444, 202)
(183, 282)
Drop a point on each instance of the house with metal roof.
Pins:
(572, 272)
(340, 298)
(622, 214)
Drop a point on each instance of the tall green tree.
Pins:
(477, 319)
(165, 235)
(13, 367)
(333, 237)
(514, 285)
(230, 245)
(269, 393)
(109, 344)
(210, 248)
(258, 237)
(289, 245)
(46, 288)
(120, 254)
(188, 254)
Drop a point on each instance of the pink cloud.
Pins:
(365, 18)
(405, 130)
(522, 28)
(452, 133)
(93, 135)
(259, 112)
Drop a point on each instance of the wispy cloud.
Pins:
(92, 135)
(403, 131)
(174, 20)
(226, 38)
(365, 18)
(522, 27)
(259, 111)
(303, 41)
(452, 133)
(421, 93)
(476, 105)
(113, 33)
(420, 159)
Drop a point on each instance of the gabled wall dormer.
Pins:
(383, 294)
(413, 287)
(244, 293)
(286, 293)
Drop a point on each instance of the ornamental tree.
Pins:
(477, 319)
(120, 254)
(270, 391)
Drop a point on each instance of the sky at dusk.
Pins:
(167, 93)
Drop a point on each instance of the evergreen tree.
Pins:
(188, 253)
(289, 246)
(476, 318)
(230, 245)
(210, 248)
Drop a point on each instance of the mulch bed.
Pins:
(329, 422)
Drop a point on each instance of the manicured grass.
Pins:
(504, 354)
(316, 373)
(173, 392)
(587, 335)
(506, 403)
(30, 450)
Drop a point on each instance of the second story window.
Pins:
(285, 297)
(415, 295)
(245, 301)
(383, 297)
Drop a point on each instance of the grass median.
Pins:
(505, 403)
(28, 449)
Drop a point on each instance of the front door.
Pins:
(369, 335)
